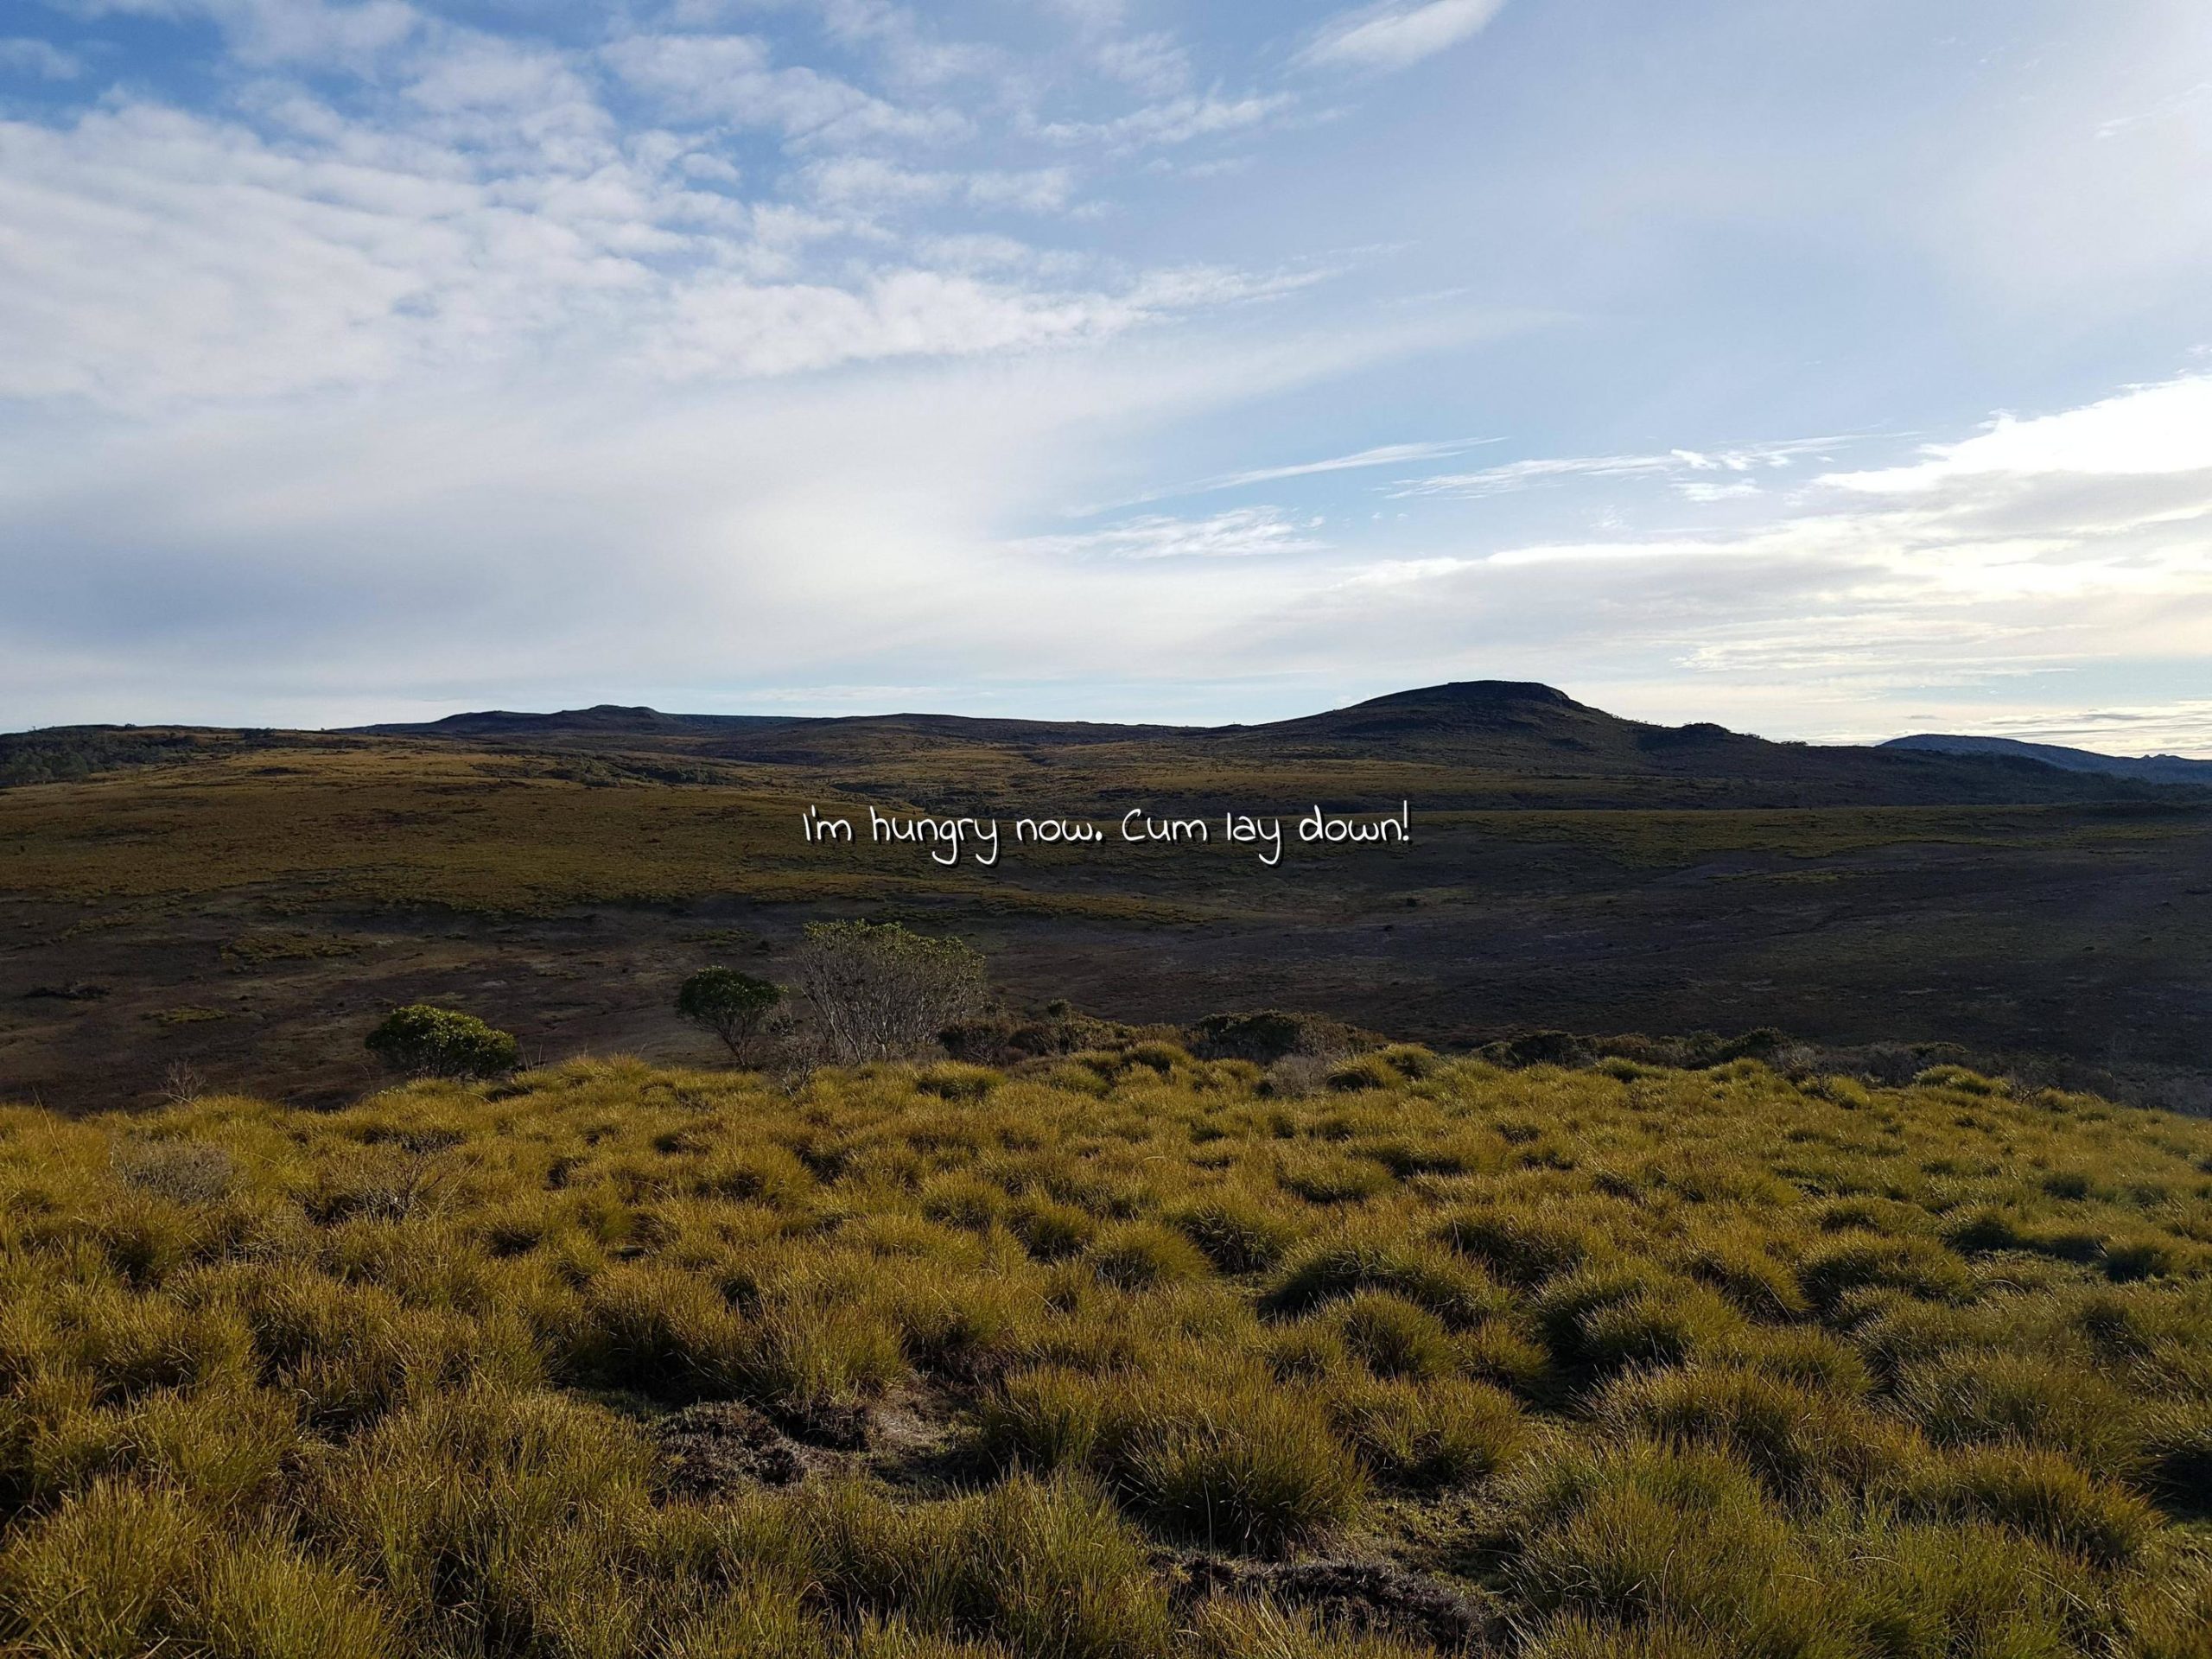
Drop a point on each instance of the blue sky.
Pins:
(1829, 371)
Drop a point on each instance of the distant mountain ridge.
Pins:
(1502, 730)
(1470, 742)
(2148, 768)
(609, 718)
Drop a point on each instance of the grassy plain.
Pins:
(1121, 1354)
(247, 910)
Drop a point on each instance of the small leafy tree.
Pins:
(428, 1042)
(879, 991)
(734, 1006)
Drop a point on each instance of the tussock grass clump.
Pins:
(1444, 1432)
(1640, 1360)
(1237, 1234)
(1521, 1248)
(1143, 1253)
(1346, 1264)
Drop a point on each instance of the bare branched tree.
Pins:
(879, 991)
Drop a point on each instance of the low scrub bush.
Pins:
(735, 1008)
(423, 1041)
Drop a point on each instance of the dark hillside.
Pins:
(2146, 768)
(1502, 728)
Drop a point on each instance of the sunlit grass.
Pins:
(1641, 1361)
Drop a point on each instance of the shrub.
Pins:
(1760, 1285)
(2145, 1255)
(1049, 1231)
(392, 1378)
(430, 1042)
(734, 1007)
(2177, 1456)
(661, 1332)
(1234, 1464)
(1970, 1395)
(181, 1171)
(1411, 1060)
(1041, 1421)
(879, 991)
(101, 1576)
(1922, 1589)
(1328, 1179)
(1269, 1035)
(1045, 1568)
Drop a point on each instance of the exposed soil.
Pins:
(712, 1450)
(717, 1449)
(1372, 1596)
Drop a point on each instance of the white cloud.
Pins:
(870, 181)
(1157, 65)
(152, 257)
(1243, 532)
(1173, 121)
(486, 542)
(1395, 35)
(2141, 432)
(2185, 725)
(741, 328)
(730, 78)
(39, 59)
(2077, 192)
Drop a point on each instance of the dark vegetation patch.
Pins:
(721, 1448)
(1362, 1596)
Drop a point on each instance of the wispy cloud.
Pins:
(733, 79)
(872, 182)
(1697, 475)
(2186, 724)
(1242, 533)
(39, 59)
(1173, 121)
(1386, 454)
(1395, 35)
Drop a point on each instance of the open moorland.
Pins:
(242, 905)
(1118, 1354)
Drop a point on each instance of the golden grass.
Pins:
(1636, 1361)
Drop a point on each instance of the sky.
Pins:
(1828, 372)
